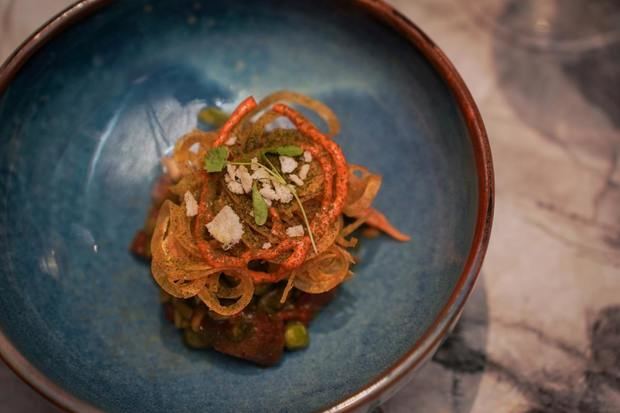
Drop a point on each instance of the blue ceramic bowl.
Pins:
(89, 104)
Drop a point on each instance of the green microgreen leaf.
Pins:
(285, 150)
(259, 206)
(216, 158)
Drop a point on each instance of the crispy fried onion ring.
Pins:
(179, 271)
(324, 272)
(189, 153)
(363, 188)
(328, 116)
(242, 293)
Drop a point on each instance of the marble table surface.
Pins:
(541, 332)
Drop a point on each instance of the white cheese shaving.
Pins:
(307, 156)
(235, 187)
(238, 179)
(191, 206)
(231, 141)
(268, 193)
(231, 170)
(254, 164)
(283, 193)
(303, 171)
(296, 231)
(245, 178)
(226, 227)
(287, 164)
(296, 180)
(261, 174)
(266, 245)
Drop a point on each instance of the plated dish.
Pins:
(250, 231)
(88, 107)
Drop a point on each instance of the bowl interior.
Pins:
(81, 129)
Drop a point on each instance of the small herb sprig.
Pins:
(217, 159)
(259, 206)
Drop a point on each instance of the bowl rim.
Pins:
(395, 376)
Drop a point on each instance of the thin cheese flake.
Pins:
(303, 171)
(283, 193)
(235, 187)
(261, 174)
(245, 178)
(287, 164)
(191, 206)
(231, 170)
(238, 179)
(296, 231)
(296, 180)
(307, 156)
(231, 141)
(268, 193)
(226, 227)
(266, 245)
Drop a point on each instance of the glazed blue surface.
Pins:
(81, 129)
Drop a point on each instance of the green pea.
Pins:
(213, 116)
(296, 335)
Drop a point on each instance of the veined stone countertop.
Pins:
(541, 332)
